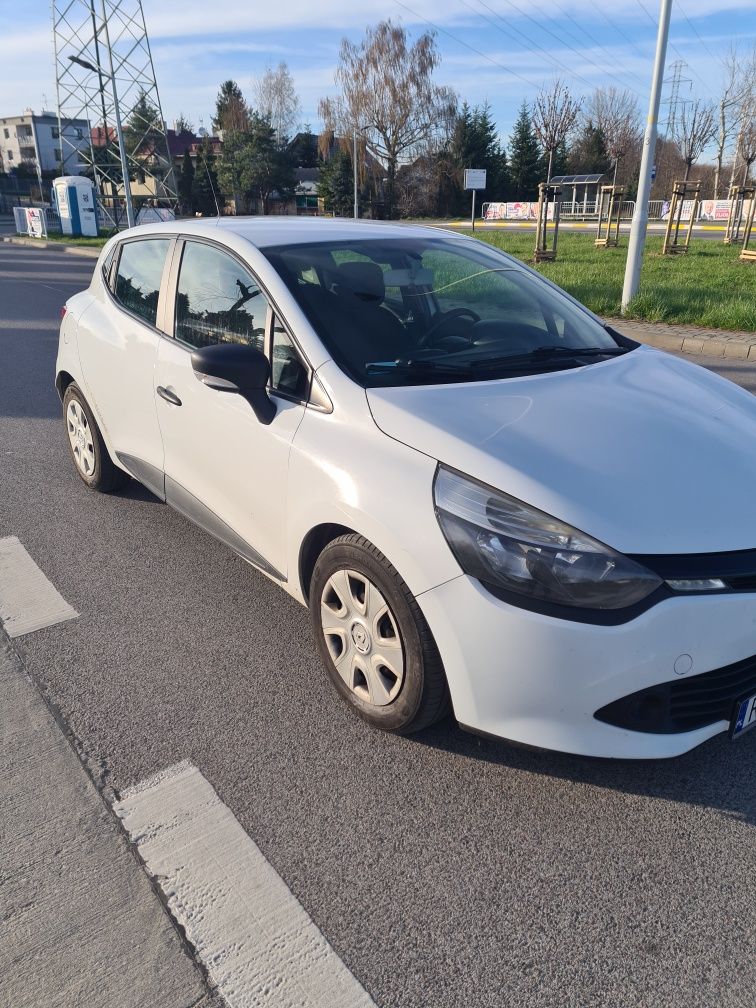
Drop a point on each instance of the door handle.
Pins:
(168, 395)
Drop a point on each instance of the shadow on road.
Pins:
(694, 779)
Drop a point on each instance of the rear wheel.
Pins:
(88, 451)
(373, 638)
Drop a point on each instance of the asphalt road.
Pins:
(446, 870)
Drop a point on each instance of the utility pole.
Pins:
(354, 170)
(640, 215)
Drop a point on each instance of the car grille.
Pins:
(684, 704)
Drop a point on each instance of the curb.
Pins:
(684, 339)
(88, 252)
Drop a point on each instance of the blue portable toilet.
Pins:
(75, 200)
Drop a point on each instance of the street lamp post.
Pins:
(640, 214)
(354, 171)
(130, 219)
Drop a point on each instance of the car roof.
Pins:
(263, 232)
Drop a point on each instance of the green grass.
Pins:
(84, 242)
(708, 286)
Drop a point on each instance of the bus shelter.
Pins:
(581, 186)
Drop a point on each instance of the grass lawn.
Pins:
(84, 242)
(707, 287)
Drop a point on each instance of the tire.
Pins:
(373, 639)
(90, 456)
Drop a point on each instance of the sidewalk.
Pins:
(80, 924)
(690, 339)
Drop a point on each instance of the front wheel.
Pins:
(373, 638)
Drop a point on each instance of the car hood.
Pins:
(646, 452)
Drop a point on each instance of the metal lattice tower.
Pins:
(674, 100)
(111, 37)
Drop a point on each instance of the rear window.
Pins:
(140, 270)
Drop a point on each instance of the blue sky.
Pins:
(496, 50)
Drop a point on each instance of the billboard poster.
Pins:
(516, 211)
(35, 222)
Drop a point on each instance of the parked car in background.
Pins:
(491, 502)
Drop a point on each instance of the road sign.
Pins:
(475, 178)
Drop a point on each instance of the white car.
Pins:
(491, 502)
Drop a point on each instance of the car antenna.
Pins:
(212, 187)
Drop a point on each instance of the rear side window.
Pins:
(217, 300)
(140, 270)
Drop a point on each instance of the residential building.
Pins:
(32, 143)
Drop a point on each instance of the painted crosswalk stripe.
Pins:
(28, 601)
(258, 944)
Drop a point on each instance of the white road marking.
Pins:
(257, 942)
(28, 601)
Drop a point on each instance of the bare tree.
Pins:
(276, 98)
(748, 148)
(554, 114)
(746, 112)
(617, 116)
(389, 97)
(734, 91)
(695, 128)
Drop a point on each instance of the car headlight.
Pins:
(506, 543)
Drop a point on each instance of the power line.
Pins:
(695, 30)
(617, 28)
(542, 27)
(527, 41)
(467, 45)
(594, 41)
(639, 3)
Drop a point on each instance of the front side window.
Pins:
(417, 310)
(140, 270)
(217, 300)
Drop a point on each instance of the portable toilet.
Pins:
(75, 199)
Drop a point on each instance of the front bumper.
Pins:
(538, 680)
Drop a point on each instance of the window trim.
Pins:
(115, 265)
(171, 280)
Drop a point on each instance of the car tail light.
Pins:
(63, 310)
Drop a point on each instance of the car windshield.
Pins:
(418, 310)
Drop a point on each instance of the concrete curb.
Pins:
(690, 339)
(81, 250)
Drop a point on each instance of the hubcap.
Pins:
(362, 637)
(80, 436)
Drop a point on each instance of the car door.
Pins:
(224, 469)
(118, 339)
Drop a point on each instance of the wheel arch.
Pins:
(62, 380)
(312, 546)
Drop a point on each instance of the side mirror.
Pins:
(236, 367)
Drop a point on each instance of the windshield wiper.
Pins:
(547, 353)
(417, 365)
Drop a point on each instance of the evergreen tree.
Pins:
(252, 165)
(231, 112)
(205, 188)
(559, 164)
(525, 158)
(186, 182)
(336, 184)
(475, 144)
(588, 153)
(304, 149)
(143, 128)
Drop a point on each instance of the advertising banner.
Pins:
(35, 222)
(516, 211)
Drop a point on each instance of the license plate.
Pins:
(744, 717)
